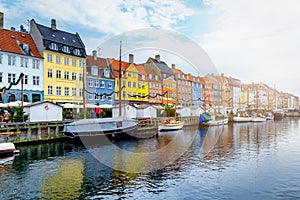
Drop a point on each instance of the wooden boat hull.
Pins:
(278, 114)
(171, 126)
(214, 123)
(242, 119)
(100, 127)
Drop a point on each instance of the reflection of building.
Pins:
(166, 75)
(19, 54)
(64, 55)
(99, 80)
(197, 90)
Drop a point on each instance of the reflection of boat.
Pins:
(207, 120)
(100, 126)
(170, 125)
(7, 150)
(7, 160)
(278, 114)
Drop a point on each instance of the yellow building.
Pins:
(134, 82)
(64, 56)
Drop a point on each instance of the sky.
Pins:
(255, 41)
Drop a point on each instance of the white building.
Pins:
(43, 111)
(19, 55)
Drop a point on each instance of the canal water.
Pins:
(239, 161)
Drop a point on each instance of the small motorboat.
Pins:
(242, 119)
(207, 120)
(259, 119)
(7, 150)
(278, 114)
(170, 125)
(270, 116)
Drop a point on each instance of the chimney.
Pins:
(157, 58)
(131, 58)
(95, 55)
(53, 24)
(222, 74)
(1, 20)
(173, 66)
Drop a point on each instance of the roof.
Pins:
(61, 37)
(13, 41)
(141, 70)
(115, 64)
(41, 102)
(163, 67)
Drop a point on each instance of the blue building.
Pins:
(99, 81)
(197, 91)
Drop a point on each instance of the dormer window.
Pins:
(106, 73)
(94, 71)
(66, 49)
(143, 77)
(53, 46)
(76, 52)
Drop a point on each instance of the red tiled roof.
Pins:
(9, 42)
(116, 64)
(100, 62)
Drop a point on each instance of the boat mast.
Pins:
(84, 92)
(120, 79)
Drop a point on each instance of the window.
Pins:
(66, 61)
(53, 46)
(134, 84)
(96, 97)
(102, 85)
(90, 96)
(76, 52)
(1, 77)
(66, 75)
(25, 97)
(129, 84)
(12, 97)
(50, 74)
(128, 74)
(80, 77)
(50, 90)
(94, 71)
(11, 78)
(24, 62)
(156, 77)
(90, 83)
(25, 79)
(103, 98)
(74, 92)
(1, 56)
(106, 73)
(58, 74)
(74, 76)
(66, 49)
(11, 60)
(49, 57)
(36, 80)
(109, 85)
(58, 90)
(57, 59)
(80, 63)
(109, 98)
(124, 83)
(73, 62)
(35, 64)
(143, 77)
(129, 95)
(150, 76)
(124, 94)
(134, 95)
(96, 83)
(80, 92)
(66, 91)
(143, 86)
(134, 75)
(165, 75)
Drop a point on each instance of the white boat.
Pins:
(215, 122)
(100, 126)
(171, 125)
(259, 119)
(270, 116)
(7, 149)
(278, 114)
(242, 119)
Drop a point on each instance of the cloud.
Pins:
(256, 40)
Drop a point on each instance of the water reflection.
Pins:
(238, 161)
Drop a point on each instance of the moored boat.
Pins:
(100, 126)
(278, 114)
(170, 125)
(7, 149)
(207, 120)
(242, 119)
(259, 119)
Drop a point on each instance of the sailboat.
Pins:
(102, 126)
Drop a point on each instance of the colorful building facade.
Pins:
(19, 55)
(64, 62)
